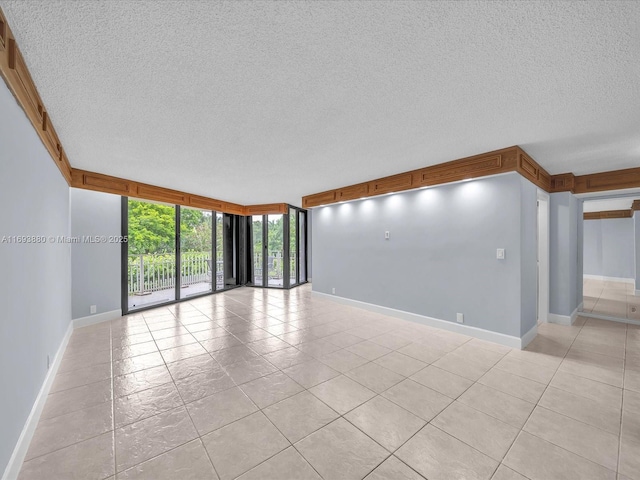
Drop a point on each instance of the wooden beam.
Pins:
(608, 214)
(266, 209)
(563, 182)
(512, 159)
(613, 180)
(120, 186)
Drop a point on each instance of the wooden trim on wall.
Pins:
(563, 182)
(635, 205)
(15, 73)
(120, 186)
(608, 214)
(266, 209)
(512, 159)
(613, 180)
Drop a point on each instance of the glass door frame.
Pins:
(286, 249)
(237, 260)
(299, 212)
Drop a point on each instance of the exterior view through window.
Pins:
(176, 252)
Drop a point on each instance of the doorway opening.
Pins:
(611, 248)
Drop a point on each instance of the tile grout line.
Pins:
(278, 370)
(537, 405)
(113, 404)
(542, 395)
(624, 376)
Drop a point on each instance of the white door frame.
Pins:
(543, 256)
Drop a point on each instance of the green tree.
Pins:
(274, 235)
(151, 228)
(195, 230)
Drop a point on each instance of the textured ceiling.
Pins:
(258, 102)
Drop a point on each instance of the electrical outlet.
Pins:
(333, 290)
(93, 309)
(460, 318)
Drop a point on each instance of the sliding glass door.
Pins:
(257, 250)
(175, 252)
(219, 268)
(196, 252)
(151, 259)
(275, 248)
(278, 244)
(293, 247)
(302, 247)
(230, 243)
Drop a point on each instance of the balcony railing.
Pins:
(151, 273)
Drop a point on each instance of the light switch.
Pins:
(386, 235)
(500, 254)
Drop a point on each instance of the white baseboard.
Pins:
(610, 318)
(97, 318)
(567, 320)
(20, 451)
(495, 337)
(528, 337)
(610, 279)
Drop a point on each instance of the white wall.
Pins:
(609, 247)
(441, 255)
(35, 280)
(95, 267)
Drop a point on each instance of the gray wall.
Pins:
(636, 224)
(580, 253)
(565, 276)
(609, 247)
(95, 267)
(35, 289)
(441, 257)
(528, 256)
(309, 244)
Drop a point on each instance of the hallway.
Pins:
(272, 384)
(611, 299)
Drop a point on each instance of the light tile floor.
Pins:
(268, 384)
(612, 299)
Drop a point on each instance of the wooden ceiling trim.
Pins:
(608, 214)
(532, 171)
(353, 192)
(317, 199)
(266, 209)
(15, 73)
(491, 163)
(563, 182)
(613, 180)
(512, 159)
(120, 186)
